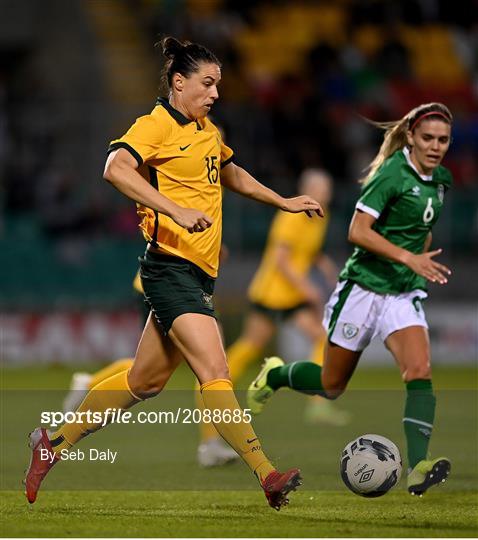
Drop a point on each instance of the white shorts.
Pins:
(353, 316)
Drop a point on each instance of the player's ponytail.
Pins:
(184, 58)
(395, 136)
(171, 47)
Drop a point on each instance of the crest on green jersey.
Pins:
(441, 192)
(349, 330)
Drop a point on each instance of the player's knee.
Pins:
(334, 393)
(333, 389)
(419, 371)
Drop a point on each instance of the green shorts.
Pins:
(278, 315)
(174, 286)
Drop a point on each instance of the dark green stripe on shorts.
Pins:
(343, 295)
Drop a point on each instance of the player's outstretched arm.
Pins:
(240, 181)
(362, 234)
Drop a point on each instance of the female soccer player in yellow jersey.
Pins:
(173, 163)
(381, 289)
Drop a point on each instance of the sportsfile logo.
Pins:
(118, 416)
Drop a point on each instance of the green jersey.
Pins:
(406, 205)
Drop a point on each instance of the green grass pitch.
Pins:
(155, 488)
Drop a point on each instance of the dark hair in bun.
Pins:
(184, 57)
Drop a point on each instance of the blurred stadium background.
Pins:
(296, 76)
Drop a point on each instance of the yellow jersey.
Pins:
(182, 159)
(304, 236)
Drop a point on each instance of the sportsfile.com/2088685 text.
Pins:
(117, 416)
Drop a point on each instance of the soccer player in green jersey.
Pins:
(381, 288)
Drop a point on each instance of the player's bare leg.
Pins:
(410, 348)
(339, 366)
(306, 377)
(318, 408)
(155, 361)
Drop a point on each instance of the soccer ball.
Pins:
(371, 465)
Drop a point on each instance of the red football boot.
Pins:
(277, 486)
(40, 462)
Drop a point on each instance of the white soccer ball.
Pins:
(371, 465)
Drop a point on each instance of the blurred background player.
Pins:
(382, 287)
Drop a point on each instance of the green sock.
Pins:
(304, 377)
(418, 419)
